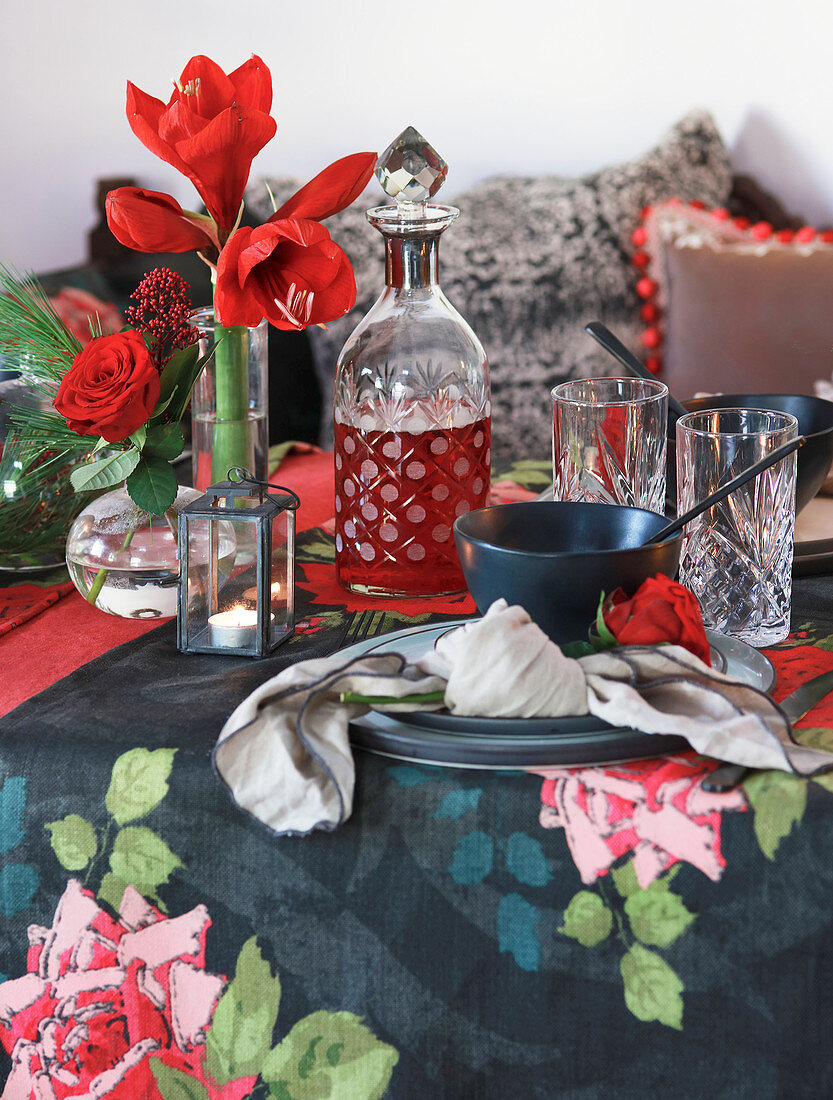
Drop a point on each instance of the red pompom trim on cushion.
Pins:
(716, 221)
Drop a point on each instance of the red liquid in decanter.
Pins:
(397, 496)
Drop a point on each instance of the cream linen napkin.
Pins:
(284, 753)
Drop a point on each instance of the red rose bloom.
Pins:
(660, 611)
(111, 388)
(289, 271)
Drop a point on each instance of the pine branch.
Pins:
(31, 332)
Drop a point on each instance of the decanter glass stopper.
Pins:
(410, 170)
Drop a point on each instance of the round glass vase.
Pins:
(124, 561)
(37, 501)
(230, 402)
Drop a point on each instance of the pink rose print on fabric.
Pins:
(658, 811)
(103, 998)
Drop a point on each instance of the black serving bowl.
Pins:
(815, 421)
(555, 558)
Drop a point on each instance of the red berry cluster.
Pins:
(741, 228)
(163, 313)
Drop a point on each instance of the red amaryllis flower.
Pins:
(290, 272)
(151, 221)
(211, 129)
(111, 388)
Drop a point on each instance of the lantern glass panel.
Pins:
(281, 585)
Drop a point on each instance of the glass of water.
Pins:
(737, 556)
(609, 441)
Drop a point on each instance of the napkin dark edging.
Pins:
(709, 675)
(314, 687)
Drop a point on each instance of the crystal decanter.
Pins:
(412, 409)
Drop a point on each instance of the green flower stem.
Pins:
(390, 700)
(102, 574)
(232, 431)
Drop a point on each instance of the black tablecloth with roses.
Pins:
(466, 934)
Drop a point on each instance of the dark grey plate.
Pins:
(436, 737)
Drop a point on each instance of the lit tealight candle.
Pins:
(250, 595)
(233, 629)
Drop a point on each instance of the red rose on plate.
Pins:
(111, 388)
(660, 611)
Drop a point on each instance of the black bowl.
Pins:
(555, 558)
(815, 421)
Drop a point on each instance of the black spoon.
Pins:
(725, 490)
(614, 346)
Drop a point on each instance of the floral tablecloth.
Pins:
(466, 934)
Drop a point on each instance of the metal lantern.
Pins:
(237, 568)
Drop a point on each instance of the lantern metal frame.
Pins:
(240, 485)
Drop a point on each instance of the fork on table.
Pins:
(359, 625)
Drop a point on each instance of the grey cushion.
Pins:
(528, 264)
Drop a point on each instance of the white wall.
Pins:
(526, 86)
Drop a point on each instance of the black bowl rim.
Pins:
(738, 397)
(563, 555)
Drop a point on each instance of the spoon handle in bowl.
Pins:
(725, 490)
(614, 346)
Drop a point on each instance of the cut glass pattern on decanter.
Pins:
(412, 428)
(410, 168)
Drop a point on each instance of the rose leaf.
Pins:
(73, 841)
(138, 783)
(330, 1054)
(142, 858)
(112, 890)
(173, 1084)
(165, 441)
(102, 473)
(652, 989)
(657, 916)
(138, 437)
(587, 919)
(241, 1029)
(778, 799)
(152, 485)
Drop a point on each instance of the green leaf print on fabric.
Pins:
(73, 841)
(241, 1031)
(779, 800)
(517, 931)
(138, 783)
(173, 1084)
(330, 1054)
(141, 857)
(657, 917)
(587, 919)
(652, 989)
